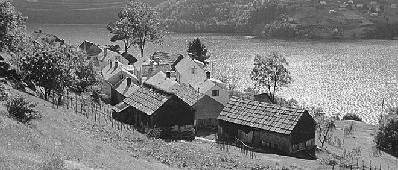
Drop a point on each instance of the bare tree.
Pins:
(137, 24)
(325, 127)
(271, 72)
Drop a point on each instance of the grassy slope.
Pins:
(63, 135)
(59, 136)
(362, 136)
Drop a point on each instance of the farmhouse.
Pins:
(148, 109)
(268, 126)
(189, 72)
(213, 88)
(206, 108)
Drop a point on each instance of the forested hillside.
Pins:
(266, 18)
(283, 19)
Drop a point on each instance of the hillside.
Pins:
(60, 139)
(64, 139)
(321, 19)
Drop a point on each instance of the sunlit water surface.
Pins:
(341, 77)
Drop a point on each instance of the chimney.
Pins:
(110, 63)
(207, 74)
(128, 81)
(116, 64)
(168, 74)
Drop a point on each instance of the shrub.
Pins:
(20, 109)
(351, 116)
(386, 138)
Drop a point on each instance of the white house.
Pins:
(213, 88)
(189, 72)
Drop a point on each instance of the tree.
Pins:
(12, 27)
(270, 72)
(137, 24)
(47, 69)
(84, 77)
(324, 127)
(387, 136)
(198, 50)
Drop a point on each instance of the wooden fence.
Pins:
(101, 113)
(360, 164)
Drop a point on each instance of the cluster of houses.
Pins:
(178, 94)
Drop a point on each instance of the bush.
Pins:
(351, 116)
(386, 138)
(20, 109)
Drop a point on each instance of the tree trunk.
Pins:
(142, 51)
(125, 47)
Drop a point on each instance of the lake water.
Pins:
(342, 77)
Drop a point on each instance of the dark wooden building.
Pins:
(148, 109)
(267, 126)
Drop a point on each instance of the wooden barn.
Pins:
(267, 126)
(149, 109)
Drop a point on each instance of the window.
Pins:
(215, 93)
(193, 70)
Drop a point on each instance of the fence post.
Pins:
(370, 164)
(76, 103)
(363, 165)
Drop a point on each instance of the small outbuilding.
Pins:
(268, 127)
(148, 109)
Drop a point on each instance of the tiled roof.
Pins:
(146, 100)
(160, 82)
(90, 48)
(166, 57)
(125, 90)
(261, 115)
(187, 94)
(149, 71)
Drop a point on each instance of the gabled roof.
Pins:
(204, 86)
(146, 100)
(90, 48)
(261, 115)
(150, 70)
(208, 84)
(186, 94)
(160, 82)
(108, 72)
(126, 90)
(164, 57)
